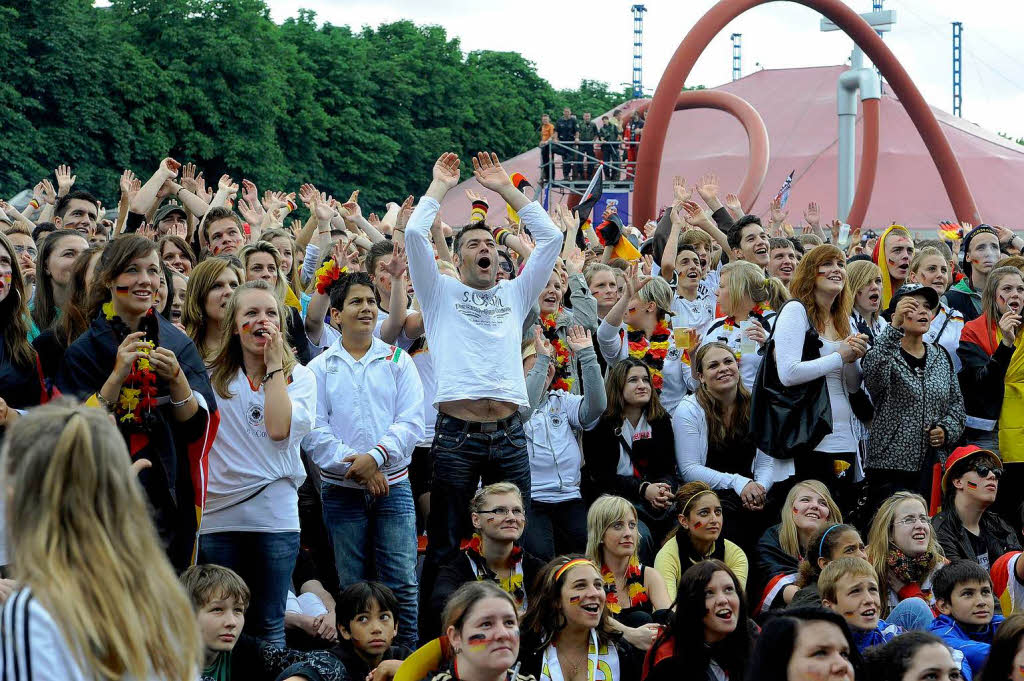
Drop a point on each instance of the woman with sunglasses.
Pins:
(966, 527)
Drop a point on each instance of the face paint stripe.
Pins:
(972, 485)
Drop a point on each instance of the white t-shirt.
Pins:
(631, 434)
(253, 480)
(425, 367)
(697, 314)
(476, 336)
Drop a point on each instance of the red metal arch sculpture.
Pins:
(653, 142)
(753, 125)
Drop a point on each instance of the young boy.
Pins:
(220, 598)
(849, 587)
(964, 595)
(369, 418)
(367, 623)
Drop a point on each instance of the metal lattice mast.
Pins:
(737, 56)
(638, 50)
(957, 58)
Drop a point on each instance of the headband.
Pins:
(696, 496)
(571, 564)
(822, 542)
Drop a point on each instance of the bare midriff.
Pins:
(478, 410)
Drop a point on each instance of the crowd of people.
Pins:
(239, 446)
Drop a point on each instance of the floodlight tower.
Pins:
(737, 61)
(638, 50)
(958, 28)
(869, 84)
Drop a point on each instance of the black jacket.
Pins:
(340, 663)
(952, 535)
(654, 459)
(459, 571)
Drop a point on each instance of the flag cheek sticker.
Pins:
(972, 485)
(123, 290)
(478, 641)
(574, 600)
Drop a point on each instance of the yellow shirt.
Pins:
(667, 564)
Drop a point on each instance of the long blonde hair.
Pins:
(603, 513)
(789, 538)
(82, 540)
(747, 279)
(281, 284)
(859, 274)
(880, 541)
(228, 359)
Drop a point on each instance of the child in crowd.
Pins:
(367, 625)
(220, 598)
(849, 587)
(967, 623)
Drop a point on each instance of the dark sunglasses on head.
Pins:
(982, 470)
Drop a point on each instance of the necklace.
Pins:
(574, 665)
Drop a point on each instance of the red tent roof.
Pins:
(799, 110)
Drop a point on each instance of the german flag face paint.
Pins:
(972, 485)
(478, 641)
(123, 290)
(698, 524)
(574, 600)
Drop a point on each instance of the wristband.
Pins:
(479, 211)
(266, 378)
(34, 204)
(290, 204)
(501, 235)
(184, 401)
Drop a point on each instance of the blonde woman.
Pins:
(97, 597)
(267, 405)
(639, 326)
(905, 553)
(808, 508)
(864, 281)
(749, 302)
(206, 299)
(633, 590)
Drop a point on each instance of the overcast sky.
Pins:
(568, 42)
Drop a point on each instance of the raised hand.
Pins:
(574, 261)
(130, 186)
(541, 344)
(446, 170)
(578, 338)
(352, 209)
(308, 194)
(49, 193)
(201, 190)
(397, 265)
(170, 167)
(569, 218)
(707, 187)
(323, 208)
(250, 193)
(1009, 325)
(249, 212)
(473, 196)
(812, 214)
(907, 305)
(679, 189)
(488, 172)
(696, 216)
(147, 230)
(226, 184)
(732, 203)
(776, 214)
(65, 180)
(834, 228)
(296, 228)
(188, 177)
(405, 212)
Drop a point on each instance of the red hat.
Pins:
(961, 454)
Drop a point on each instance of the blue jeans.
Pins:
(913, 614)
(265, 560)
(367, 532)
(462, 458)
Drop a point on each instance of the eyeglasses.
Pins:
(983, 471)
(913, 520)
(504, 512)
(26, 249)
